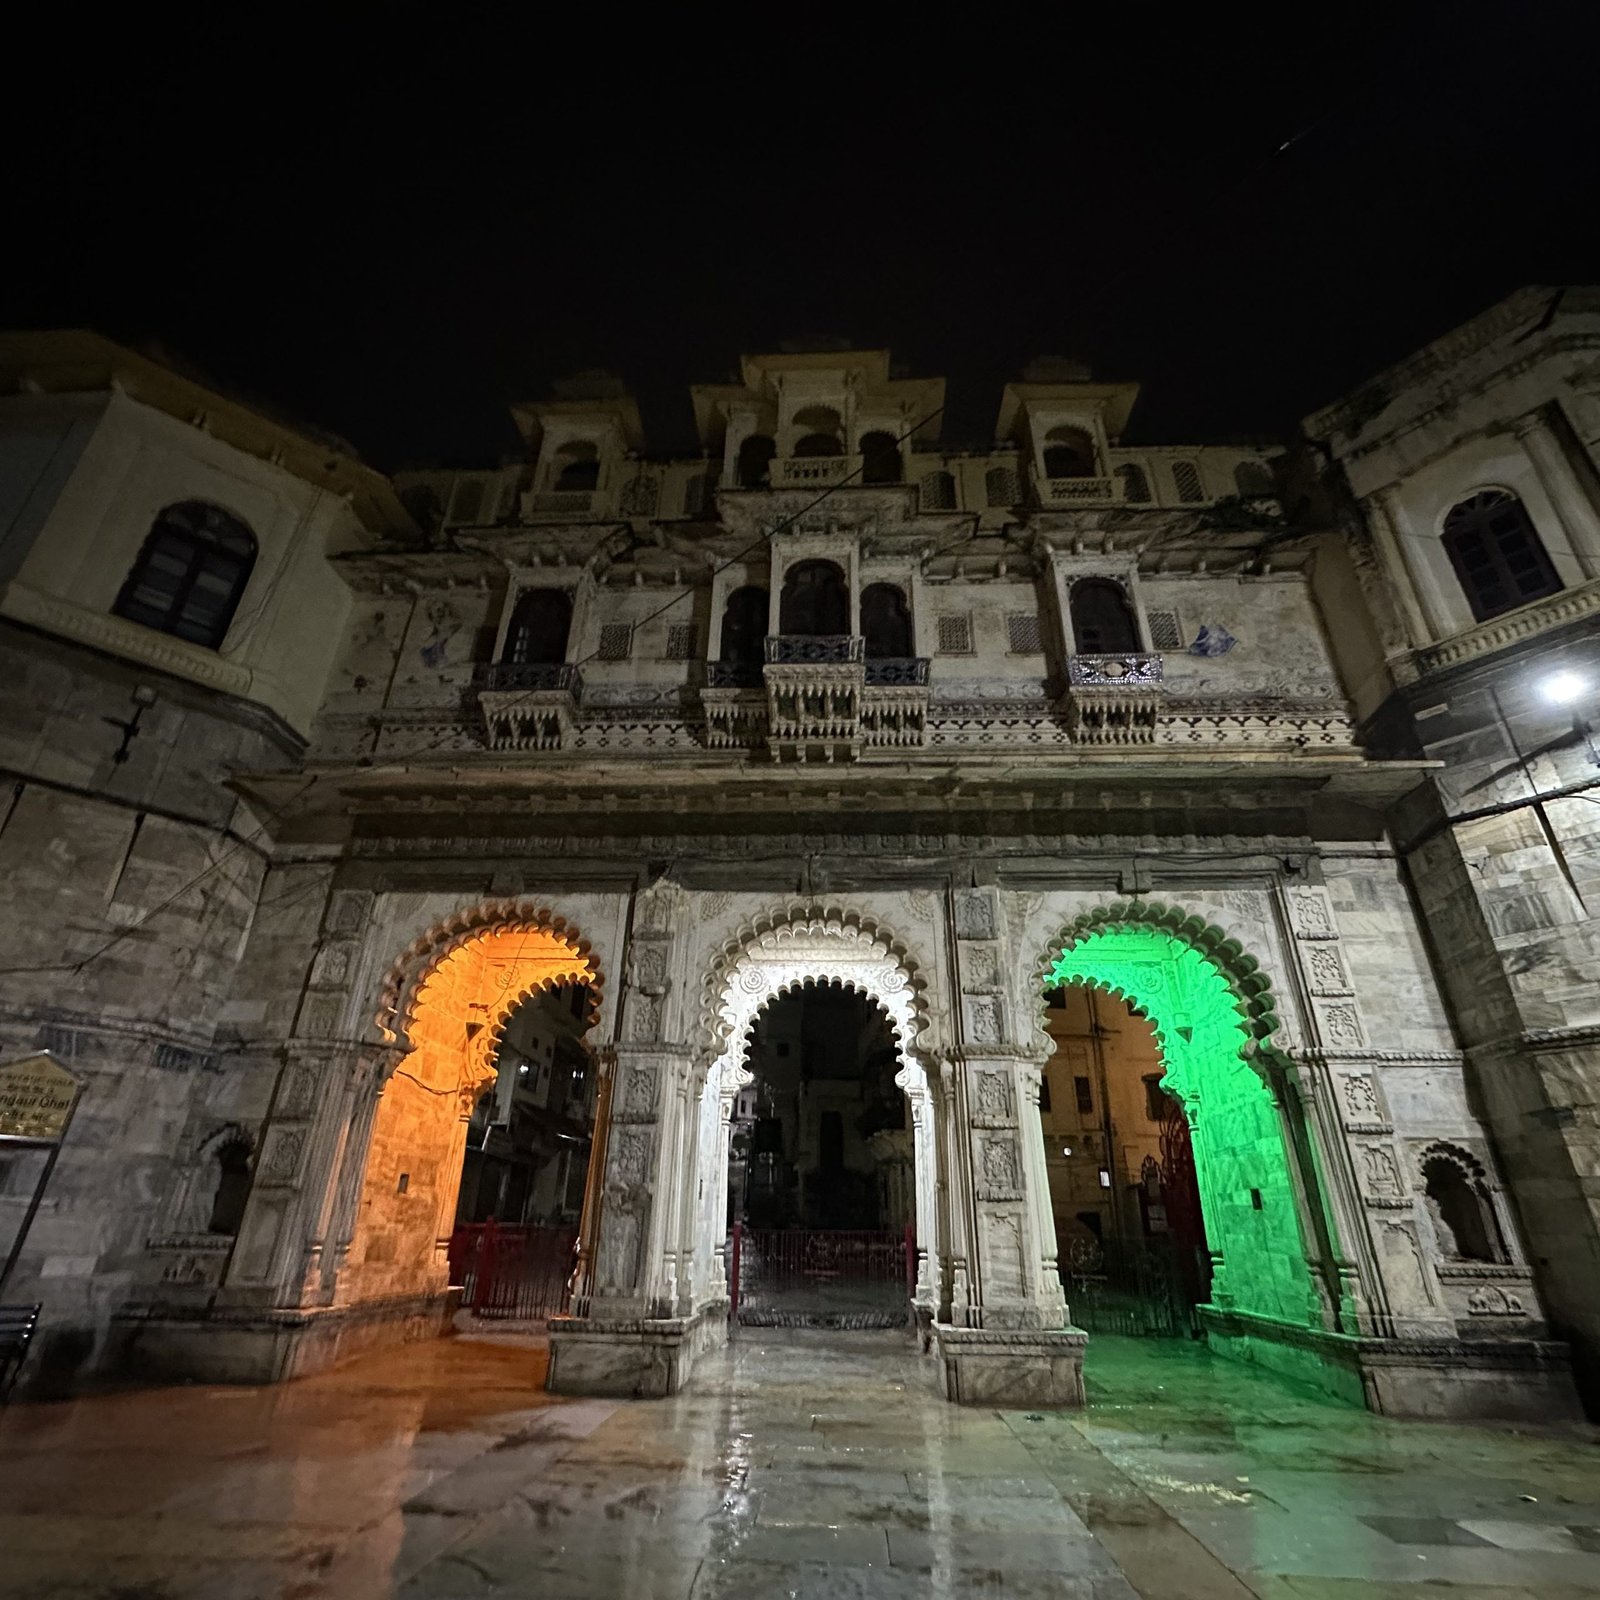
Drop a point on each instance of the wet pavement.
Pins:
(801, 1464)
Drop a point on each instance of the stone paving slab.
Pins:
(808, 1464)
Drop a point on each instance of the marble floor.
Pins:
(801, 1465)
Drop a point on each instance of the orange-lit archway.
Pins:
(452, 1018)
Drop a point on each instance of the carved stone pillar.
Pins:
(278, 1259)
(1374, 1209)
(1569, 495)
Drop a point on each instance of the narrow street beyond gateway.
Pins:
(799, 1463)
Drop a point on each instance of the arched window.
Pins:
(190, 573)
(539, 626)
(885, 622)
(937, 491)
(1186, 480)
(755, 458)
(744, 626)
(1068, 453)
(823, 432)
(233, 1187)
(1253, 480)
(1103, 622)
(1002, 487)
(880, 458)
(577, 467)
(1135, 485)
(1497, 553)
(1458, 1199)
(815, 600)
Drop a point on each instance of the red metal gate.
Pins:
(519, 1272)
(827, 1278)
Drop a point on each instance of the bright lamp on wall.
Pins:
(1562, 688)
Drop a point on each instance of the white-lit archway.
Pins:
(777, 955)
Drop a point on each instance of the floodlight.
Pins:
(1562, 688)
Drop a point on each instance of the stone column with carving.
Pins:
(1569, 495)
(278, 1259)
(639, 1332)
(1375, 1210)
(1015, 1346)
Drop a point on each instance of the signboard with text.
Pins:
(36, 1098)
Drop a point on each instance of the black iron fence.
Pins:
(1149, 1288)
(821, 1278)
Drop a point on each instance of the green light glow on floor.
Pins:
(1246, 1192)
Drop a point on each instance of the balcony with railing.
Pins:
(1060, 493)
(1115, 698)
(528, 705)
(813, 472)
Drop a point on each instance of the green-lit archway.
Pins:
(1206, 1025)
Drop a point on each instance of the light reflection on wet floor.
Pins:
(800, 1464)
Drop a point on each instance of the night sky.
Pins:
(392, 245)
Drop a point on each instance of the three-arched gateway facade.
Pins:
(1342, 1246)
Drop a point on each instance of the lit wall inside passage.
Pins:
(408, 1196)
(1246, 1192)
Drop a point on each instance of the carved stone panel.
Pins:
(647, 965)
(333, 965)
(980, 968)
(1493, 1301)
(1003, 1264)
(644, 1016)
(1325, 969)
(999, 1174)
(638, 1094)
(985, 1020)
(1380, 1172)
(1341, 1025)
(280, 1159)
(319, 1018)
(1403, 1271)
(974, 914)
(991, 1100)
(1311, 913)
(348, 910)
(630, 1157)
(1358, 1096)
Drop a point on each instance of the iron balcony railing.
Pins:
(808, 649)
(733, 674)
(532, 675)
(897, 672)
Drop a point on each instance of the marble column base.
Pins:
(236, 1345)
(1010, 1367)
(642, 1358)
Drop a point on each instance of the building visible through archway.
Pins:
(501, 998)
(1259, 1204)
(1130, 1231)
(821, 1172)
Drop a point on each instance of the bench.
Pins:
(17, 1324)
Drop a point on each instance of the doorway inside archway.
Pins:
(1130, 1229)
(526, 1165)
(494, 1000)
(821, 1171)
(1223, 1121)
